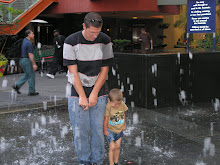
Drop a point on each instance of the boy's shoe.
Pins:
(33, 94)
(50, 76)
(115, 163)
(16, 89)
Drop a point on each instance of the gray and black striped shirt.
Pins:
(89, 56)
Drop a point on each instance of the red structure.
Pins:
(136, 7)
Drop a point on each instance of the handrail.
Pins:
(2, 1)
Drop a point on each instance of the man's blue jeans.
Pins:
(29, 74)
(86, 124)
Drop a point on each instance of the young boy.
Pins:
(114, 124)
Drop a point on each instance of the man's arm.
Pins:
(151, 43)
(98, 85)
(31, 57)
(78, 86)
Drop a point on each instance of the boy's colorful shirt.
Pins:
(116, 117)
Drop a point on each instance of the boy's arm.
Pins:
(105, 124)
(124, 127)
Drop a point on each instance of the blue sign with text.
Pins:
(201, 16)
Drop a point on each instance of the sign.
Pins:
(201, 16)
(46, 54)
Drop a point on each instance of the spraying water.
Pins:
(55, 100)
(113, 71)
(182, 97)
(4, 83)
(209, 148)
(128, 80)
(190, 55)
(178, 56)
(68, 89)
(216, 104)
(154, 91)
(45, 105)
(211, 128)
(138, 141)
(135, 118)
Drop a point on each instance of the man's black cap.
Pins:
(56, 30)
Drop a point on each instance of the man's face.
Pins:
(31, 35)
(91, 33)
(55, 34)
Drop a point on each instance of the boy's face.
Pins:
(115, 104)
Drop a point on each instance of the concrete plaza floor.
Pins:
(188, 135)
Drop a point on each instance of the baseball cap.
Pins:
(56, 30)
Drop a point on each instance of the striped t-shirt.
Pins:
(89, 56)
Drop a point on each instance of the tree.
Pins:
(7, 22)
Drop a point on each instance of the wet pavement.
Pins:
(183, 135)
(52, 91)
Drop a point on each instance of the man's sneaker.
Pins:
(115, 163)
(33, 94)
(16, 89)
(50, 75)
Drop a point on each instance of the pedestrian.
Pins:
(114, 124)
(57, 62)
(28, 64)
(88, 54)
(146, 40)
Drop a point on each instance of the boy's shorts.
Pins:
(113, 136)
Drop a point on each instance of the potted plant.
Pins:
(120, 44)
(3, 64)
(4, 35)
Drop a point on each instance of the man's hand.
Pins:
(83, 102)
(92, 100)
(35, 67)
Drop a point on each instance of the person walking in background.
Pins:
(28, 65)
(58, 54)
(114, 124)
(146, 40)
(88, 54)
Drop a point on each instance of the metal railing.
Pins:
(22, 5)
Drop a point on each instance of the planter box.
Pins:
(3, 65)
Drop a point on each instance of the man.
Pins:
(147, 42)
(58, 54)
(28, 64)
(88, 54)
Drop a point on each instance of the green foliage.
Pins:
(6, 10)
(164, 25)
(161, 36)
(208, 43)
(181, 23)
(2, 58)
(120, 44)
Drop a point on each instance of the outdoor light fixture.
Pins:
(135, 17)
(38, 21)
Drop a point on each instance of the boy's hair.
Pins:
(28, 31)
(93, 19)
(115, 95)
